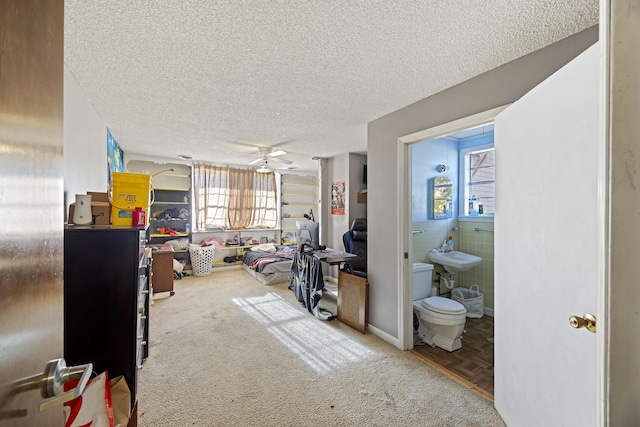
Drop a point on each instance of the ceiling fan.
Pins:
(267, 154)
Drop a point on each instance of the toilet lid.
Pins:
(443, 305)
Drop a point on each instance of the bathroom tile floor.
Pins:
(473, 363)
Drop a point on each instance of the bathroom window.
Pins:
(478, 175)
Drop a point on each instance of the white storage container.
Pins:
(201, 259)
(472, 300)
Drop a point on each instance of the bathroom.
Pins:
(434, 220)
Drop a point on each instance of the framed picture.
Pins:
(337, 198)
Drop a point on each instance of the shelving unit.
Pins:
(299, 195)
(171, 207)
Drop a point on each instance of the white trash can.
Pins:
(472, 300)
(201, 259)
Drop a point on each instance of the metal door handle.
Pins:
(587, 321)
(56, 374)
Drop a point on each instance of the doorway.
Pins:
(464, 159)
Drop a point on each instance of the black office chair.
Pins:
(355, 242)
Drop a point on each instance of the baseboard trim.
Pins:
(226, 267)
(384, 336)
(489, 311)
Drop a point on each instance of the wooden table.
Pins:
(162, 269)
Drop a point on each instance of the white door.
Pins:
(547, 225)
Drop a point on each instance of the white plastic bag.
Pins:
(472, 300)
(93, 407)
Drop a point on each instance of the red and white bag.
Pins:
(93, 407)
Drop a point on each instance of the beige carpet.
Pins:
(228, 351)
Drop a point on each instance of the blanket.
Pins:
(258, 260)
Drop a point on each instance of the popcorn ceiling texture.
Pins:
(213, 78)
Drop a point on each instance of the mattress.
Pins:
(268, 267)
(269, 278)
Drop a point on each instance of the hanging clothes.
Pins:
(307, 283)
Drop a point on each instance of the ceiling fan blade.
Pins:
(279, 160)
(277, 153)
(258, 160)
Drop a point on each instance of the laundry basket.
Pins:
(201, 259)
(472, 300)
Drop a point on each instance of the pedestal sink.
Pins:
(455, 261)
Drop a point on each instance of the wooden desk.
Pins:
(162, 269)
(353, 292)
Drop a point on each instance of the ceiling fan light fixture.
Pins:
(263, 169)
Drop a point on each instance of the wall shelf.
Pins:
(171, 206)
(299, 196)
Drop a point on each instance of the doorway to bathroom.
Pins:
(458, 215)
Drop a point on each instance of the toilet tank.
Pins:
(421, 280)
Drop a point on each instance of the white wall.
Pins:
(495, 88)
(85, 143)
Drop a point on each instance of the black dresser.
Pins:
(106, 300)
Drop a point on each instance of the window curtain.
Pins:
(211, 196)
(237, 199)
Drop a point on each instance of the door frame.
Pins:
(618, 348)
(405, 239)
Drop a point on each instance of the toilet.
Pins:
(441, 320)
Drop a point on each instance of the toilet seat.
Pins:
(443, 305)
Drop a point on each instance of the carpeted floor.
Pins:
(226, 350)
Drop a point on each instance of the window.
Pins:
(237, 199)
(477, 166)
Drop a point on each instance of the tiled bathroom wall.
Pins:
(479, 243)
(430, 234)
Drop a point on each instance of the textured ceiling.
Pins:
(210, 78)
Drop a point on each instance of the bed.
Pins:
(269, 266)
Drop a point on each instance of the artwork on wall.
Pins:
(115, 157)
(337, 198)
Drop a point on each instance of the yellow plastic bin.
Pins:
(128, 191)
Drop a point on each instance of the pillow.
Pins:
(265, 247)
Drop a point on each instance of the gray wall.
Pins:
(495, 88)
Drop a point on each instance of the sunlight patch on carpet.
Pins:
(317, 344)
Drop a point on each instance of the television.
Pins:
(308, 233)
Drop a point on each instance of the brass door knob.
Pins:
(587, 321)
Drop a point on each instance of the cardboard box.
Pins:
(100, 209)
(98, 197)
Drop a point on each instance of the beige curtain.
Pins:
(211, 196)
(237, 199)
